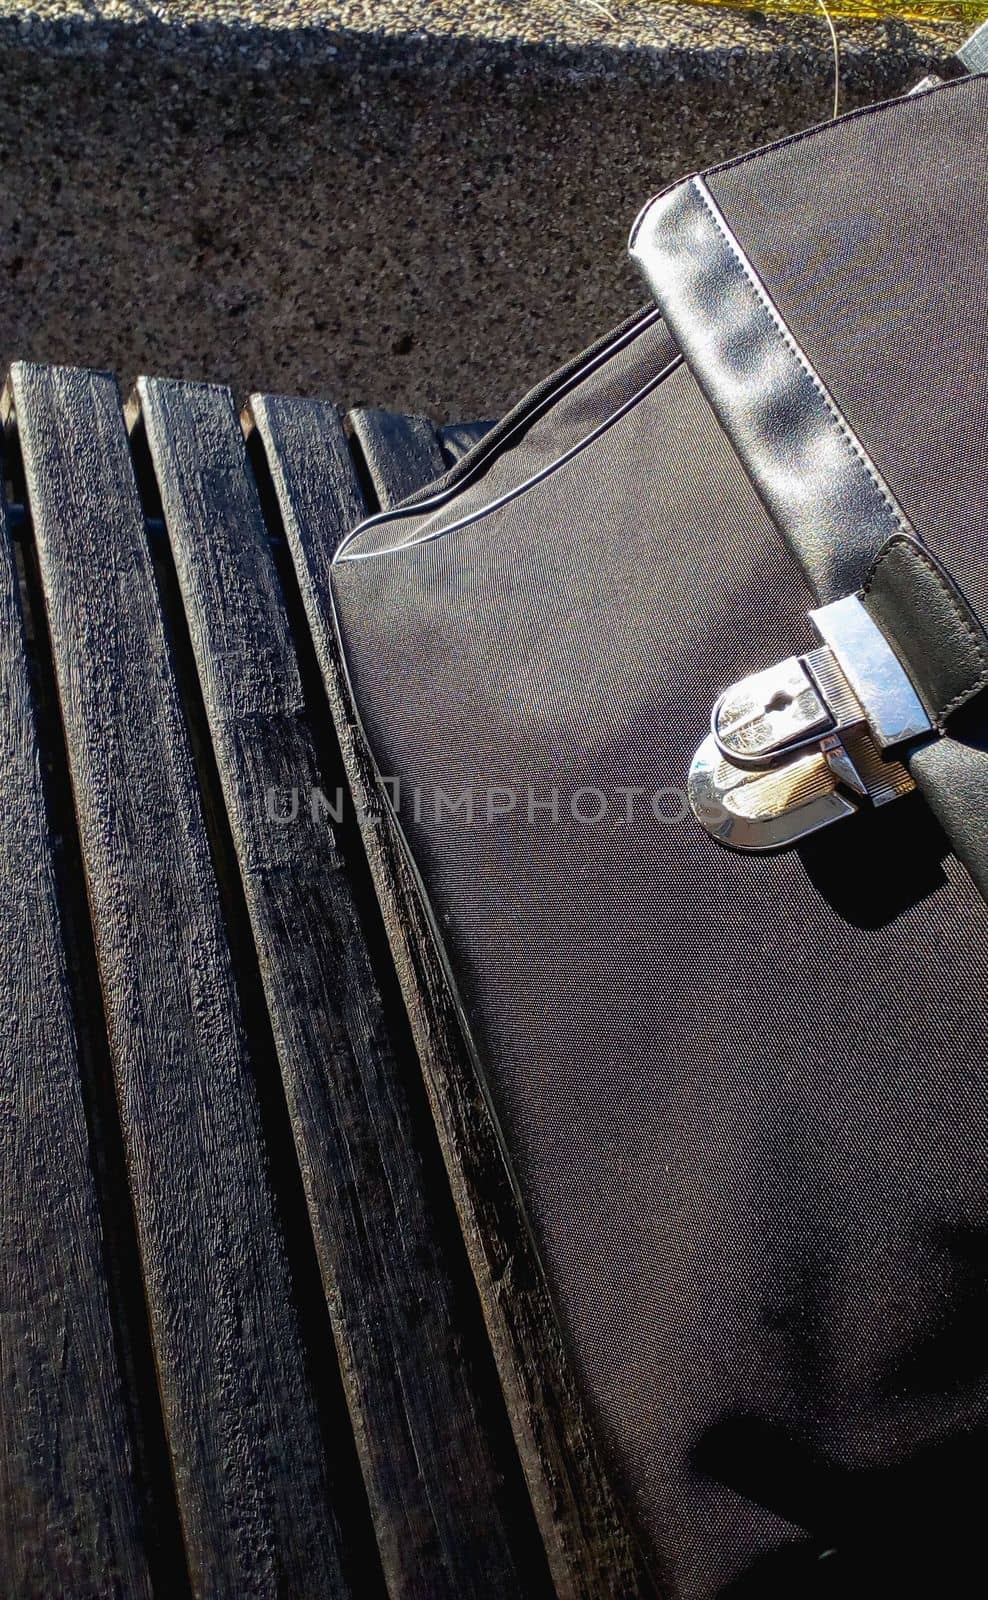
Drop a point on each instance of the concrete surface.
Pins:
(422, 205)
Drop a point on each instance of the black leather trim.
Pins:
(827, 498)
(506, 432)
(930, 625)
(401, 513)
(952, 775)
(821, 489)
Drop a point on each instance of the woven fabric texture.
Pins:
(869, 235)
(744, 1098)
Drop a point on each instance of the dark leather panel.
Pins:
(952, 773)
(869, 236)
(930, 625)
(823, 493)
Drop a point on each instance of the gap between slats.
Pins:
(528, 1547)
(242, 1417)
(286, 1178)
(166, 1551)
(437, 1494)
(591, 1547)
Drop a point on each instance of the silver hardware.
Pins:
(779, 709)
(803, 744)
(893, 708)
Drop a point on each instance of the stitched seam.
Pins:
(797, 138)
(849, 116)
(854, 447)
(469, 519)
(916, 550)
(783, 144)
(670, 188)
(527, 411)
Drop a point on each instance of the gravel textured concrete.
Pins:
(423, 204)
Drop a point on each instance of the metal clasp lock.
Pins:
(805, 743)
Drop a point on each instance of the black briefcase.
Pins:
(668, 710)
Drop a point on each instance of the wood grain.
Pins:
(70, 1513)
(591, 1549)
(246, 1442)
(401, 454)
(456, 439)
(410, 1338)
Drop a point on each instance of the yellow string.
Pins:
(833, 38)
(969, 11)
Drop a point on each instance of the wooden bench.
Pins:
(242, 1347)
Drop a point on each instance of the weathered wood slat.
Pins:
(457, 438)
(244, 1434)
(591, 1551)
(434, 1474)
(400, 453)
(70, 1517)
